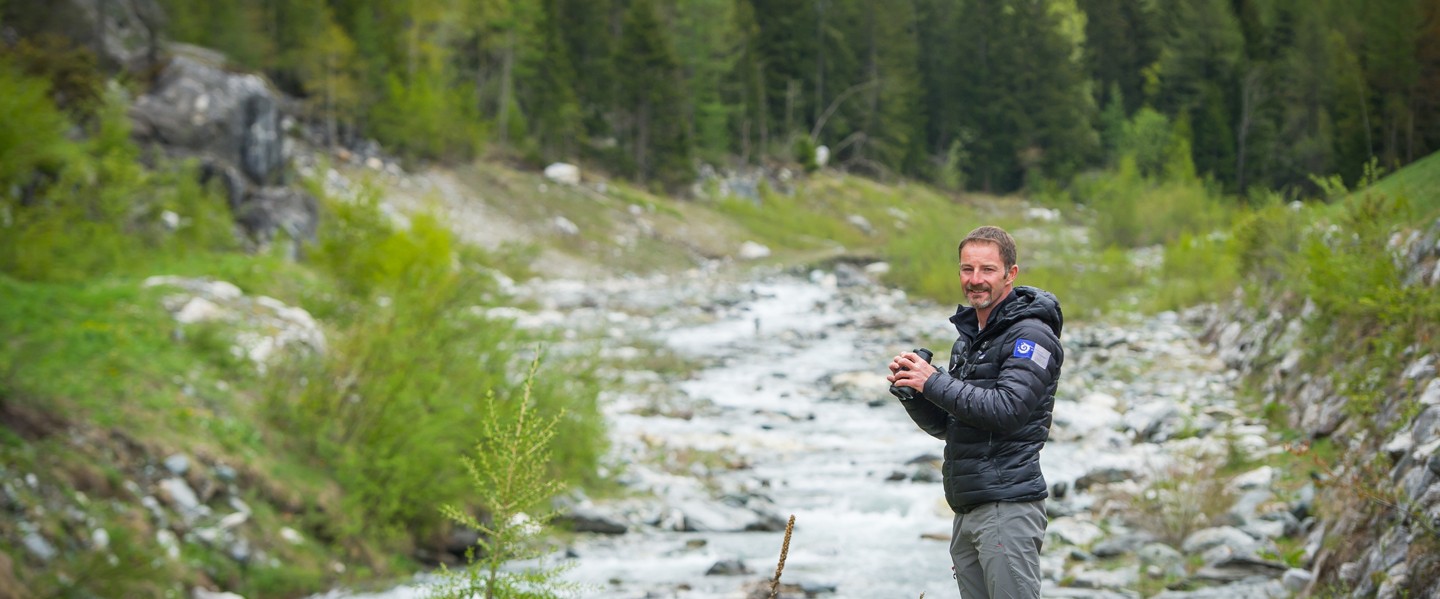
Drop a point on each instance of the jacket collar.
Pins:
(967, 321)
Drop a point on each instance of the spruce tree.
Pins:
(654, 138)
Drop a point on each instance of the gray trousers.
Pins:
(996, 550)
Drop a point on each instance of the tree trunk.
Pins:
(642, 141)
(1250, 91)
(507, 85)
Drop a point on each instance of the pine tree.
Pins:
(547, 86)
(1199, 80)
(893, 118)
(1022, 93)
(588, 30)
(657, 146)
(1121, 41)
(708, 45)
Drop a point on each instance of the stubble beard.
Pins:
(982, 304)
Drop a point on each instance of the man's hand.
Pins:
(909, 370)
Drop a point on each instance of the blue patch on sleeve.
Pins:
(1027, 349)
(1024, 348)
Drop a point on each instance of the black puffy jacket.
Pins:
(993, 406)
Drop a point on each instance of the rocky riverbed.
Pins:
(785, 413)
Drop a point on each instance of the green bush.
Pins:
(1132, 210)
(793, 221)
(1088, 283)
(1196, 269)
(32, 134)
(1265, 242)
(91, 207)
(398, 391)
(1362, 302)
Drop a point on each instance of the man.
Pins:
(992, 408)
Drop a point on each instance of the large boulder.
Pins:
(197, 108)
(233, 123)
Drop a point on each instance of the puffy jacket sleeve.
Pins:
(1030, 364)
(929, 417)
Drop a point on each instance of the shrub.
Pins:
(73, 209)
(509, 470)
(1196, 269)
(1187, 495)
(393, 397)
(1132, 210)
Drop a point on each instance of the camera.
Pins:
(906, 393)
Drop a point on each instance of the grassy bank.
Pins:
(355, 446)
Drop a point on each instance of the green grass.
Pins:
(104, 352)
(1419, 181)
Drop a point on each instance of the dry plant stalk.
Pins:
(784, 549)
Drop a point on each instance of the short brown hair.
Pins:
(994, 235)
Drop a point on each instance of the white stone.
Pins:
(233, 519)
(753, 251)
(1254, 479)
(200, 593)
(1043, 214)
(1228, 537)
(179, 491)
(1431, 395)
(562, 172)
(177, 464)
(291, 536)
(199, 309)
(1399, 444)
(1074, 531)
(169, 542)
(1422, 367)
(565, 225)
(1295, 579)
(1425, 451)
(1095, 412)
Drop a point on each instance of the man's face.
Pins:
(983, 274)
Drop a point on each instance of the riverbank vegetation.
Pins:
(356, 445)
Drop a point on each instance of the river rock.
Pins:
(1269, 589)
(1159, 560)
(1074, 531)
(1120, 544)
(729, 567)
(1118, 578)
(1237, 569)
(588, 519)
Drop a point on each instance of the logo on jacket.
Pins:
(1029, 350)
